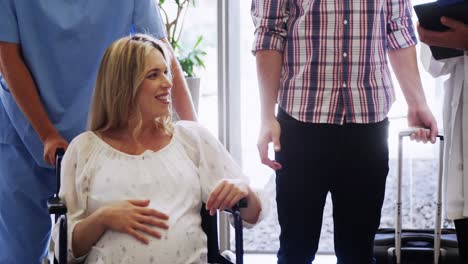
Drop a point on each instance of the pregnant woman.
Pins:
(135, 182)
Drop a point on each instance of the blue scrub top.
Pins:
(62, 42)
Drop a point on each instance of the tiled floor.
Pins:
(271, 259)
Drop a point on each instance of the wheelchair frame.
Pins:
(209, 224)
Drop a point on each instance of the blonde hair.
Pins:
(120, 74)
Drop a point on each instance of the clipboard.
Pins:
(429, 15)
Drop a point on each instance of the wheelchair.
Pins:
(58, 208)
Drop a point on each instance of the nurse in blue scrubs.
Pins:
(49, 55)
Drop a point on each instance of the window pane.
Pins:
(201, 21)
(264, 237)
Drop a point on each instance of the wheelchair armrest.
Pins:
(56, 206)
(241, 204)
(210, 227)
(235, 211)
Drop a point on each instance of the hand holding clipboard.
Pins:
(444, 26)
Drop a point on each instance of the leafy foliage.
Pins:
(189, 59)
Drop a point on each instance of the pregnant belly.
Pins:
(184, 246)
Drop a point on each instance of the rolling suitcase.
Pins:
(416, 246)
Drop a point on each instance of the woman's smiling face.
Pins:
(154, 94)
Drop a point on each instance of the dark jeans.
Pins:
(461, 225)
(351, 162)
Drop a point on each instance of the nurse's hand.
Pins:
(51, 144)
(133, 217)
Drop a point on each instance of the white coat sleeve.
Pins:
(435, 67)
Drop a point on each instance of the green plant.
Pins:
(189, 59)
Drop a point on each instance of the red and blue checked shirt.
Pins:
(335, 66)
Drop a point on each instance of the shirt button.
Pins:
(344, 85)
(345, 54)
(345, 22)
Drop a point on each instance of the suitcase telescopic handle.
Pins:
(437, 230)
(410, 131)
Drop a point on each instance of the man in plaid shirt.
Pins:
(325, 64)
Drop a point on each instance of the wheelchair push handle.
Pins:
(58, 167)
(242, 203)
(58, 208)
(59, 154)
(54, 204)
(235, 211)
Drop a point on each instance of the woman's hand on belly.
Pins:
(134, 218)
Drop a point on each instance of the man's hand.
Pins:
(455, 37)
(406, 70)
(423, 118)
(270, 131)
(51, 144)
